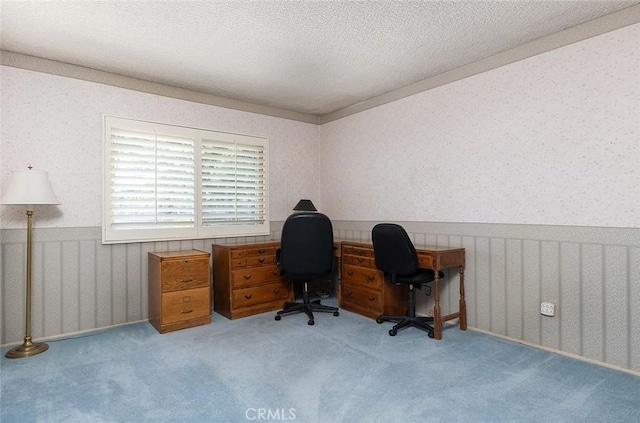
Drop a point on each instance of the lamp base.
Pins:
(27, 349)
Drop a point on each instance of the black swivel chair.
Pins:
(396, 256)
(306, 253)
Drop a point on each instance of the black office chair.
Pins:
(396, 256)
(306, 254)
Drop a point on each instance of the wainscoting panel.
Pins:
(591, 274)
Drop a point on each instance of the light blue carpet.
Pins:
(343, 369)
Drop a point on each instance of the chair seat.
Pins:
(420, 277)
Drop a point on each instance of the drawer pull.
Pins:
(276, 291)
(360, 259)
(248, 297)
(186, 311)
(371, 278)
(360, 251)
(186, 280)
(371, 297)
(275, 272)
(261, 251)
(350, 272)
(247, 277)
(349, 293)
(261, 260)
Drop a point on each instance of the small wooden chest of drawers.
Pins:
(246, 279)
(364, 289)
(179, 290)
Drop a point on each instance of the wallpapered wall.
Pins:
(553, 139)
(55, 124)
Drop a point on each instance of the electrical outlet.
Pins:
(547, 309)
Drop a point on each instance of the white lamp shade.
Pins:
(29, 187)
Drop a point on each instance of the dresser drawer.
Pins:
(360, 261)
(248, 297)
(253, 261)
(238, 253)
(253, 276)
(367, 277)
(184, 274)
(357, 250)
(262, 251)
(362, 298)
(425, 261)
(252, 257)
(185, 305)
(238, 262)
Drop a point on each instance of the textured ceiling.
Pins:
(313, 57)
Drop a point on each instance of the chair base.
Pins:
(410, 319)
(423, 323)
(306, 306)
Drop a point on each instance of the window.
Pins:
(166, 182)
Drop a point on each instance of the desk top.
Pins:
(366, 244)
(419, 248)
(432, 257)
(238, 243)
(180, 254)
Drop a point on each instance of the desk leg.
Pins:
(437, 318)
(463, 305)
(339, 280)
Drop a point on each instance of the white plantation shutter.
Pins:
(233, 183)
(152, 180)
(166, 182)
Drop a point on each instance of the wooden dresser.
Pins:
(246, 279)
(179, 290)
(363, 288)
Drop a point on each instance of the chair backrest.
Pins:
(306, 246)
(393, 250)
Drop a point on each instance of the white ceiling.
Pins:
(313, 57)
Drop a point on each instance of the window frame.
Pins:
(199, 230)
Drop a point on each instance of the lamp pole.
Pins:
(28, 188)
(28, 348)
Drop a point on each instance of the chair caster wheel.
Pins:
(278, 317)
(335, 313)
(379, 320)
(430, 334)
(310, 322)
(392, 332)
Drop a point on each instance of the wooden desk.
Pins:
(439, 258)
(363, 289)
(246, 280)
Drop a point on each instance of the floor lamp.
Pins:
(28, 188)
